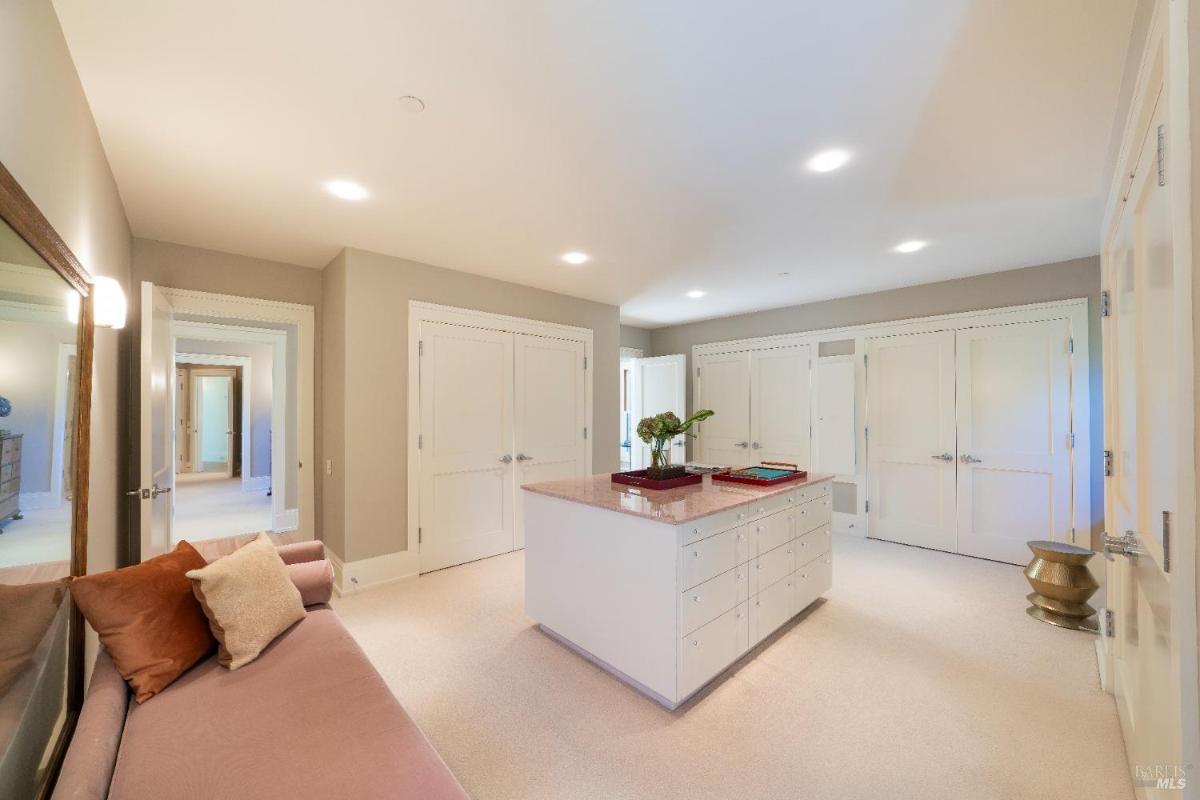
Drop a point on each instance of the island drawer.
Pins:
(770, 532)
(703, 653)
(813, 580)
(813, 544)
(717, 523)
(770, 608)
(772, 567)
(817, 512)
(769, 505)
(708, 558)
(813, 492)
(704, 603)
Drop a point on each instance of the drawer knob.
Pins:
(789, 552)
(696, 553)
(741, 514)
(695, 642)
(739, 576)
(757, 603)
(804, 544)
(791, 499)
(695, 598)
(758, 566)
(803, 576)
(758, 529)
(739, 616)
(696, 531)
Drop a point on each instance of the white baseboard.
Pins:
(1104, 660)
(39, 501)
(289, 520)
(369, 573)
(259, 484)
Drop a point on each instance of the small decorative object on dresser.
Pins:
(10, 476)
(1062, 585)
(659, 430)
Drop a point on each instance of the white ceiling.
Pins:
(666, 138)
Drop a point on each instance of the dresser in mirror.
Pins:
(42, 492)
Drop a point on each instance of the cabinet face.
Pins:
(724, 388)
(780, 405)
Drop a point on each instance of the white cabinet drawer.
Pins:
(703, 653)
(813, 580)
(709, 557)
(770, 608)
(770, 532)
(769, 505)
(704, 603)
(707, 526)
(813, 544)
(807, 493)
(817, 512)
(772, 567)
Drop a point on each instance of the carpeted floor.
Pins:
(920, 676)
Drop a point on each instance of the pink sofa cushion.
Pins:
(300, 552)
(310, 718)
(314, 579)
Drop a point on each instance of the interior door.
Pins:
(1142, 412)
(550, 414)
(834, 433)
(781, 405)
(157, 468)
(465, 448)
(214, 420)
(1014, 438)
(660, 385)
(911, 440)
(724, 381)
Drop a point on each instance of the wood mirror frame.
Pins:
(23, 216)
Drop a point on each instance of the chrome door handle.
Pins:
(1126, 545)
(157, 490)
(967, 459)
(756, 445)
(523, 457)
(741, 444)
(505, 459)
(140, 493)
(677, 443)
(943, 457)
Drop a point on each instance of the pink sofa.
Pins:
(310, 718)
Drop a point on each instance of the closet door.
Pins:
(467, 474)
(660, 385)
(725, 388)
(781, 405)
(550, 414)
(1014, 426)
(911, 440)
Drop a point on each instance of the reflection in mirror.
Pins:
(37, 393)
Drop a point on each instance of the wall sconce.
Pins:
(108, 304)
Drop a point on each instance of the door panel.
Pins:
(466, 390)
(910, 418)
(660, 386)
(551, 412)
(1014, 422)
(833, 427)
(725, 437)
(780, 405)
(157, 469)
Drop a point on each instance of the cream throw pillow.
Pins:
(249, 600)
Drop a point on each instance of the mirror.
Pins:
(40, 535)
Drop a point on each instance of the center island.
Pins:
(666, 589)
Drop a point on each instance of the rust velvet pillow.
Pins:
(148, 619)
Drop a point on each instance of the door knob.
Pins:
(756, 445)
(943, 457)
(505, 459)
(969, 459)
(1126, 545)
(741, 444)
(157, 490)
(523, 457)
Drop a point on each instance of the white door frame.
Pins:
(217, 307)
(1075, 310)
(420, 311)
(209, 360)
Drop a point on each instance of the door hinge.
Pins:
(585, 362)
(1070, 344)
(1106, 303)
(697, 372)
(585, 432)
(1108, 463)
(868, 506)
(1108, 623)
(420, 536)
(420, 347)
(420, 440)
(1071, 440)
(865, 360)
(1162, 155)
(1166, 531)
(866, 433)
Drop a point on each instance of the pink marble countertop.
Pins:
(672, 506)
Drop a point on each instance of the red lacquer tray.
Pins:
(769, 473)
(638, 478)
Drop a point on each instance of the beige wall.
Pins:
(48, 141)
(373, 474)
(334, 523)
(636, 337)
(1060, 281)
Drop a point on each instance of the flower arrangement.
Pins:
(656, 431)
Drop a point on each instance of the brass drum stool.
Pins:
(1062, 585)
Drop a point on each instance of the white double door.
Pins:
(498, 410)
(969, 438)
(762, 403)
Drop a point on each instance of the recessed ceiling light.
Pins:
(575, 258)
(695, 294)
(784, 274)
(346, 190)
(412, 104)
(911, 246)
(828, 160)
